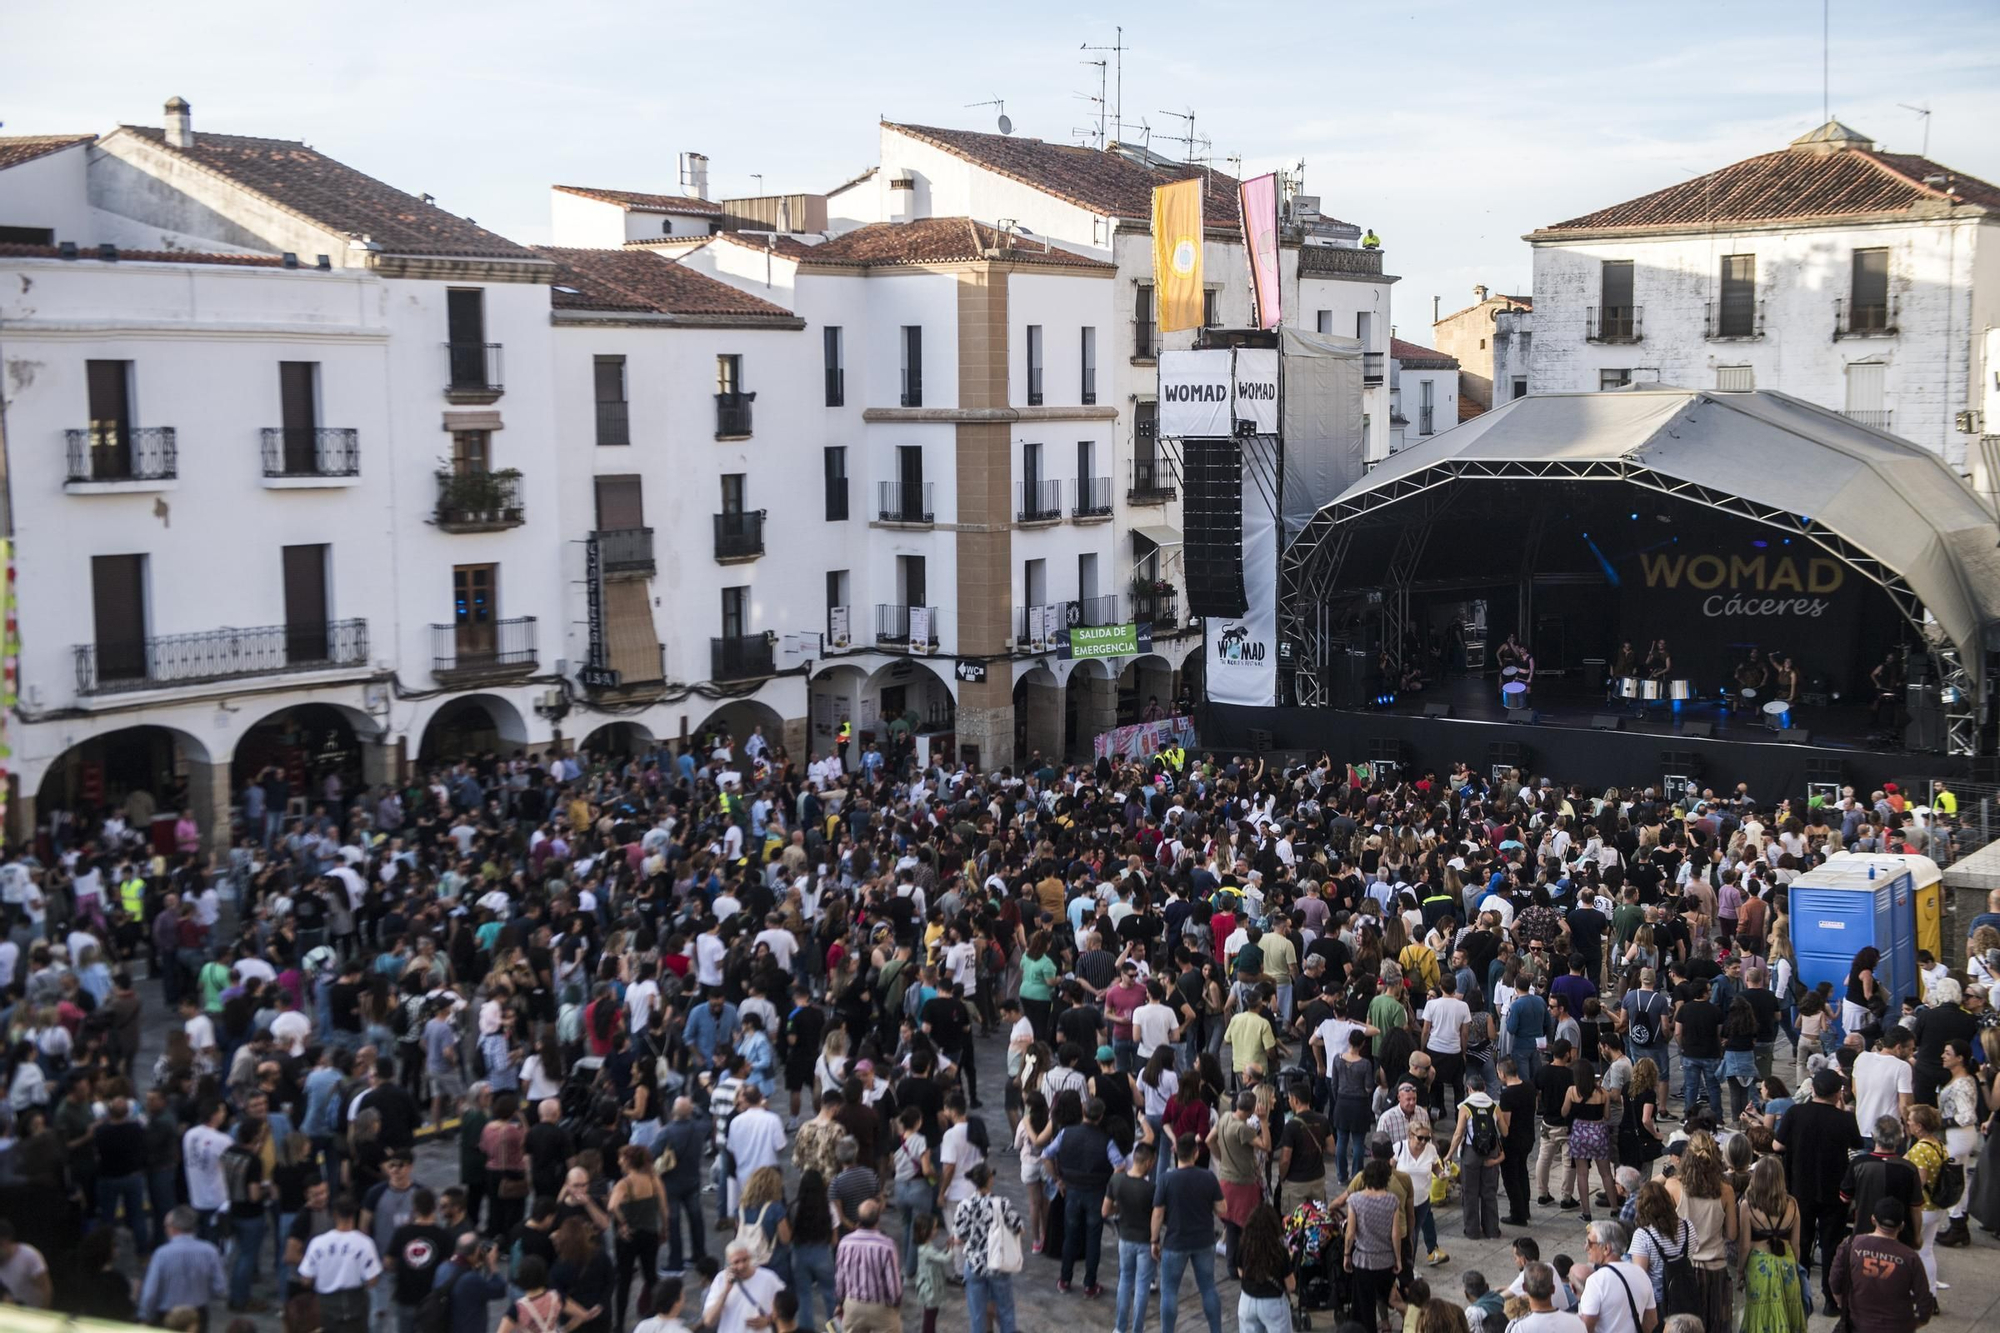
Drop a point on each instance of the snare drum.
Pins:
(1626, 687)
(1514, 694)
(1748, 695)
(1680, 690)
(1649, 689)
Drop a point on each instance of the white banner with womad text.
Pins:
(1255, 401)
(1242, 665)
(1195, 392)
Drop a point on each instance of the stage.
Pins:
(1566, 737)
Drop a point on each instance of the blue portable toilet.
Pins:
(1839, 910)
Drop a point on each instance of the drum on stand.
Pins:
(1680, 690)
(1649, 690)
(1777, 714)
(1626, 687)
(1508, 673)
(1514, 694)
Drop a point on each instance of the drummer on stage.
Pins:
(1509, 654)
(1626, 662)
(1784, 679)
(1751, 678)
(1659, 662)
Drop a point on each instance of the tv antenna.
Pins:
(1190, 138)
(1006, 125)
(1925, 112)
(1117, 50)
(1099, 100)
(758, 176)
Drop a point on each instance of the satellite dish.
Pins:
(1006, 124)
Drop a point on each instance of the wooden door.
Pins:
(109, 384)
(118, 605)
(621, 502)
(305, 604)
(475, 597)
(296, 391)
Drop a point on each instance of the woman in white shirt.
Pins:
(831, 1070)
(1417, 1157)
(541, 1074)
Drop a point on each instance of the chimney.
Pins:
(180, 123)
(1479, 292)
(694, 175)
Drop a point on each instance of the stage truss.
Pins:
(1310, 570)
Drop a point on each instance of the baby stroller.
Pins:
(1312, 1234)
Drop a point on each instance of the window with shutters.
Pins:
(1034, 342)
(836, 483)
(1614, 379)
(1088, 352)
(735, 612)
(1868, 296)
(1735, 379)
(1616, 318)
(118, 607)
(1143, 348)
(306, 613)
(836, 367)
(1323, 321)
(913, 365)
(614, 426)
(1736, 310)
(1210, 306)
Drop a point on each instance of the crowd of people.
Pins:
(1259, 1018)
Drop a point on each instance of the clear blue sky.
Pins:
(1450, 128)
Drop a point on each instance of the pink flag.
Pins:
(1259, 201)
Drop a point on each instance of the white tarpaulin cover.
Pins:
(1324, 446)
(1892, 500)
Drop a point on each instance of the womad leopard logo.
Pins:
(1235, 647)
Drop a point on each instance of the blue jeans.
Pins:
(1135, 1279)
(1349, 1151)
(284, 1229)
(130, 1191)
(161, 1185)
(684, 1214)
(1699, 1075)
(812, 1271)
(915, 1200)
(1083, 1233)
(1126, 1055)
(1172, 1264)
(245, 1242)
(1265, 1314)
(997, 1288)
(1427, 1226)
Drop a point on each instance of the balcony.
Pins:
(913, 390)
(1614, 324)
(614, 425)
(221, 654)
(479, 501)
(1157, 605)
(1427, 421)
(1093, 498)
(1096, 610)
(1339, 259)
(739, 536)
(105, 459)
(1742, 322)
(624, 550)
(1037, 501)
(307, 456)
(892, 627)
(1851, 320)
(1873, 418)
(740, 657)
(732, 415)
(905, 502)
(1152, 484)
(1371, 367)
(495, 650)
(472, 373)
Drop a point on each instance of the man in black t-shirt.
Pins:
(1698, 1031)
(415, 1250)
(1301, 1152)
(1586, 933)
(1552, 1081)
(1517, 1105)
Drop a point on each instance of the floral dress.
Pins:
(1772, 1300)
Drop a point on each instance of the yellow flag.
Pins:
(1177, 254)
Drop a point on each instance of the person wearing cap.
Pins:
(1816, 1139)
(1879, 1279)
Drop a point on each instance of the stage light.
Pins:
(1760, 545)
(1635, 518)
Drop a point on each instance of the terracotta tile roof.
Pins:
(924, 241)
(1419, 357)
(18, 148)
(10, 250)
(639, 280)
(1493, 299)
(1467, 409)
(647, 203)
(1790, 185)
(335, 196)
(1103, 182)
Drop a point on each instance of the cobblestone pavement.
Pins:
(1972, 1303)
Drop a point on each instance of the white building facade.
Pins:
(1856, 279)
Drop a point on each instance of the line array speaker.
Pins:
(1212, 507)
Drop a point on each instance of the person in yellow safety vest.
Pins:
(132, 897)
(841, 739)
(1945, 802)
(1176, 759)
(1370, 241)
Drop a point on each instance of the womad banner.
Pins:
(1242, 666)
(1143, 740)
(1255, 400)
(1195, 392)
(1259, 201)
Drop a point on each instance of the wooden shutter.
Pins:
(620, 503)
(299, 414)
(1616, 285)
(465, 315)
(610, 375)
(1739, 296)
(305, 603)
(118, 606)
(110, 418)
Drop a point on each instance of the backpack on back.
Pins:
(1681, 1287)
(1485, 1135)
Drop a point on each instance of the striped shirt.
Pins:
(867, 1267)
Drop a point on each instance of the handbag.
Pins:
(1003, 1246)
(513, 1185)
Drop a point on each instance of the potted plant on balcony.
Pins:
(478, 497)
